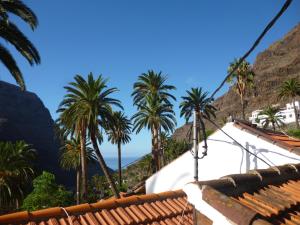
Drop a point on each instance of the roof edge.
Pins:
(231, 209)
(86, 207)
(248, 128)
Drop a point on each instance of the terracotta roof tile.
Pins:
(280, 139)
(164, 208)
(275, 199)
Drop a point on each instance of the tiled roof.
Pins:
(277, 138)
(267, 196)
(166, 208)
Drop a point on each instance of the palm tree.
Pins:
(153, 115)
(271, 117)
(70, 159)
(242, 79)
(119, 134)
(154, 85)
(151, 83)
(10, 33)
(196, 101)
(16, 171)
(86, 107)
(291, 89)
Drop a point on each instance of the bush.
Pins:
(46, 193)
(294, 133)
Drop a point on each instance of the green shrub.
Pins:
(46, 193)
(294, 133)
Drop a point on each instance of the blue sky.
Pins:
(191, 42)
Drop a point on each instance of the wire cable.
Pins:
(255, 44)
(219, 128)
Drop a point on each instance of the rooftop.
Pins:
(163, 208)
(266, 196)
(278, 138)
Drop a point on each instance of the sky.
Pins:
(191, 42)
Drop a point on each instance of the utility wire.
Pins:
(239, 144)
(267, 28)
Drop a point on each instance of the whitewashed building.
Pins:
(226, 157)
(287, 114)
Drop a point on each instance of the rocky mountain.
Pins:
(281, 61)
(23, 116)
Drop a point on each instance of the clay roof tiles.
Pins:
(166, 208)
(277, 138)
(270, 196)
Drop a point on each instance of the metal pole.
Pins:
(195, 146)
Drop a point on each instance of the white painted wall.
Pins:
(224, 158)
(287, 114)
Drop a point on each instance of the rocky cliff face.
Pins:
(23, 116)
(281, 61)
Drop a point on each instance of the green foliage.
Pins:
(198, 100)
(271, 117)
(242, 80)
(289, 89)
(99, 188)
(86, 107)
(70, 154)
(16, 171)
(11, 34)
(173, 149)
(294, 133)
(120, 129)
(46, 193)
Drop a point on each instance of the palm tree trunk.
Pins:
(153, 151)
(273, 125)
(156, 160)
(78, 176)
(120, 164)
(83, 165)
(104, 167)
(296, 115)
(161, 150)
(243, 107)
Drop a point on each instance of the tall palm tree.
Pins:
(153, 115)
(242, 79)
(11, 34)
(154, 85)
(70, 160)
(16, 171)
(86, 107)
(119, 134)
(291, 89)
(271, 117)
(197, 101)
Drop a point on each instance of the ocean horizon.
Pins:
(112, 162)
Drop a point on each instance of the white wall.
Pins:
(194, 196)
(224, 158)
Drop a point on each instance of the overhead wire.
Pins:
(255, 44)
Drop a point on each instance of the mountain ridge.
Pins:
(279, 62)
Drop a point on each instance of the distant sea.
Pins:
(113, 162)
